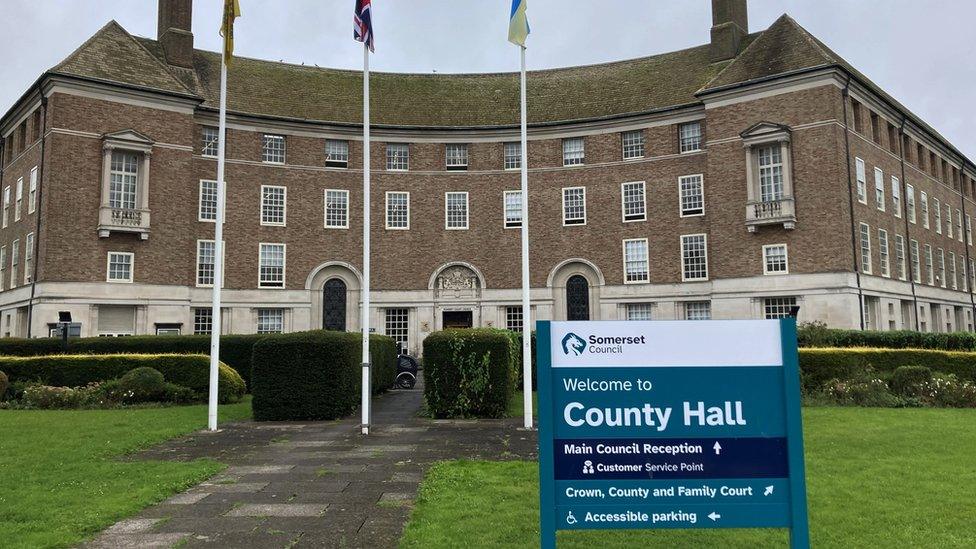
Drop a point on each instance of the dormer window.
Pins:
(125, 184)
(770, 187)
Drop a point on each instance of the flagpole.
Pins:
(367, 378)
(526, 303)
(218, 251)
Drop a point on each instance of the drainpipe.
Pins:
(850, 202)
(37, 230)
(908, 236)
(965, 238)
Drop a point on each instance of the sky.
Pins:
(922, 52)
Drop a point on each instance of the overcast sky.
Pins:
(920, 51)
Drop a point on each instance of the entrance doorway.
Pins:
(334, 305)
(458, 319)
(577, 298)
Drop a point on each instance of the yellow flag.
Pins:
(232, 10)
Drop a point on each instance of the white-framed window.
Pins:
(273, 149)
(879, 190)
(698, 310)
(940, 253)
(953, 278)
(900, 260)
(775, 259)
(636, 262)
(694, 257)
(202, 320)
(513, 155)
(633, 201)
(690, 137)
(397, 210)
(969, 230)
(865, 248)
(778, 307)
(959, 225)
(14, 262)
(639, 311)
(29, 258)
(210, 136)
(123, 180)
(457, 156)
(924, 202)
(692, 195)
(862, 181)
(19, 199)
(397, 157)
(574, 151)
(884, 265)
(513, 318)
(910, 202)
(916, 266)
(929, 265)
(6, 205)
(633, 144)
(271, 267)
(120, 266)
(207, 210)
(273, 204)
(574, 206)
(972, 273)
(397, 325)
(336, 153)
(336, 209)
(770, 161)
(32, 191)
(937, 210)
(948, 221)
(964, 276)
(896, 195)
(206, 262)
(3, 266)
(456, 211)
(513, 209)
(271, 321)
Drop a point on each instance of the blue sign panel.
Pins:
(670, 425)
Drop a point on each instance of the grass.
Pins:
(875, 477)
(516, 403)
(62, 481)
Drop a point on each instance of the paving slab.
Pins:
(278, 510)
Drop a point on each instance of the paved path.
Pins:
(317, 484)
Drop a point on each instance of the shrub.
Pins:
(818, 335)
(315, 375)
(822, 364)
(4, 384)
(517, 337)
(44, 397)
(191, 371)
(145, 384)
(906, 380)
(945, 390)
(469, 373)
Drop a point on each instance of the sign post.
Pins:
(686, 424)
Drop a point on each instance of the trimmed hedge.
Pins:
(820, 336)
(190, 371)
(517, 338)
(316, 375)
(823, 364)
(469, 373)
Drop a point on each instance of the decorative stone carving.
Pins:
(457, 282)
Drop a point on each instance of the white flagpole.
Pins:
(526, 304)
(218, 250)
(367, 378)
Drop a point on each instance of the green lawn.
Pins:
(876, 478)
(61, 483)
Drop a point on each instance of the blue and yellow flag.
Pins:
(232, 10)
(518, 27)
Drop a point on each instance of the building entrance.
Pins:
(458, 319)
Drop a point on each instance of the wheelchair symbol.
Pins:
(570, 519)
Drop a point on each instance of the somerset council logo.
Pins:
(573, 344)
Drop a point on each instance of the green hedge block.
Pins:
(469, 373)
(190, 371)
(315, 375)
(823, 364)
(819, 336)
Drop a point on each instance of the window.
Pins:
(574, 152)
(119, 265)
(875, 128)
(124, 175)
(457, 156)
(692, 195)
(397, 156)
(857, 116)
(775, 259)
(916, 268)
(883, 263)
(862, 191)
(698, 310)
(969, 230)
(900, 257)
(32, 191)
(770, 159)
(273, 205)
(896, 196)
(3, 265)
(879, 192)
(336, 209)
(456, 210)
(14, 261)
(202, 321)
(972, 274)
(865, 248)
(952, 271)
(633, 143)
(778, 307)
(513, 318)
(397, 325)
(633, 201)
(959, 225)
(636, 264)
(964, 278)
(206, 254)
(513, 155)
(910, 202)
(168, 329)
(397, 210)
(271, 321)
(210, 141)
(574, 205)
(6, 205)
(929, 270)
(690, 137)
(937, 210)
(28, 258)
(940, 253)
(19, 200)
(694, 257)
(948, 221)
(924, 198)
(336, 153)
(639, 311)
(513, 209)
(208, 201)
(271, 269)
(273, 149)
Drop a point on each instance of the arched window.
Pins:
(334, 305)
(577, 298)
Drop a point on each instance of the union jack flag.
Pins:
(363, 23)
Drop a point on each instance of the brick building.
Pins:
(736, 179)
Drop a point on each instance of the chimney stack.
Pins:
(174, 31)
(730, 24)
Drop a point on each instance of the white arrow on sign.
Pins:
(769, 491)
(717, 448)
(714, 516)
